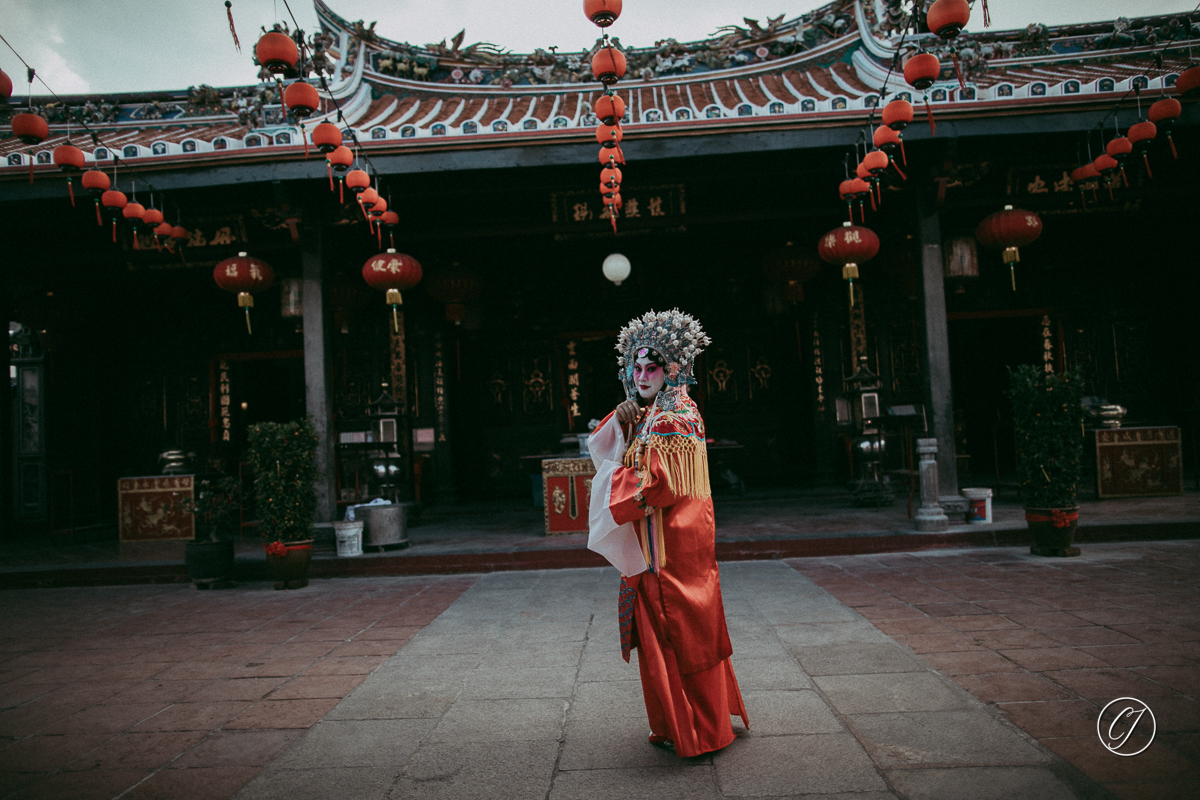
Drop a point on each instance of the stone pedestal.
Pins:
(930, 517)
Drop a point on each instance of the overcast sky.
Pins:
(99, 46)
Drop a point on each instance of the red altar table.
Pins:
(1139, 462)
(148, 508)
(566, 494)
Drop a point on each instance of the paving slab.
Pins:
(533, 700)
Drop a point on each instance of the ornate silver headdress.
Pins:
(675, 335)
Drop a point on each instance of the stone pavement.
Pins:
(164, 691)
(518, 691)
(941, 674)
(1050, 641)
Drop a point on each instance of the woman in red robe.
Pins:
(652, 517)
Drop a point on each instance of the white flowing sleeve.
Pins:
(617, 543)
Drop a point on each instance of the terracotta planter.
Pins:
(290, 570)
(1053, 531)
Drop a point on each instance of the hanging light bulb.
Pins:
(616, 268)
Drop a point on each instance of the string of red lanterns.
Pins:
(608, 67)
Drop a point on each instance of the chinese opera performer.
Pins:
(652, 518)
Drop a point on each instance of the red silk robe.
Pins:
(678, 617)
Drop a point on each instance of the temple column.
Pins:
(7, 434)
(939, 402)
(318, 394)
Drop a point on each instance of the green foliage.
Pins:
(1049, 423)
(215, 503)
(283, 458)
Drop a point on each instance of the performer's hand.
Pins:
(627, 414)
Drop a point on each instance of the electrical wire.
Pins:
(96, 138)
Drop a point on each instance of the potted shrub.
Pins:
(1049, 423)
(283, 459)
(214, 504)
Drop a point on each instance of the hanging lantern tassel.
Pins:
(329, 169)
(341, 190)
(114, 230)
(31, 159)
(850, 273)
(1011, 257)
(246, 301)
(393, 299)
(903, 155)
(379, 234)
(900, 172)
(1146, 161)
(957, 69)
(99, 222)
(71, 191)
(929, 113)
(392, 239)
(1124, 179)
(987, 17)
(1174, 152)
(135, 238)
(862, 213)
(612, 214)
(232, 30)
(304, 136)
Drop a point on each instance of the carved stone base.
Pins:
(931, 520)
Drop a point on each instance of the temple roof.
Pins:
(825, 67)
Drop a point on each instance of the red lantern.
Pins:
(890, 141)
(179, 235)
(357, 181)
(367, 198)
(898, 114)
(134, 213)
(162, 233)
(393, 272)
(849, 246)
(245, 276)
(611, 157)
(152, 218)
(610, 109)
(114, 201)
(1119, 148)
(602, 12)
(327, 137)
(69, 159)
(609, 135)
(340, 160)
(921, 71)
(5, 86)
(30, 128)
(277, 53)
(1009, 230)
(947, 18)
(1141, 135)
(1164, 113)
(876, 162)
(1188, 82)
(608, 65)
(390, 220)
(302, 100)
(95, 182)
(1106, 165)
(611, 175)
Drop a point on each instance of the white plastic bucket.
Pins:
(349, 538)
(979, 506)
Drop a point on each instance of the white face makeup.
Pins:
(648, 377)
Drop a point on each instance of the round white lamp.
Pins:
(616, 268)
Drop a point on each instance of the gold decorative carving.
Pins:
(559, 498)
